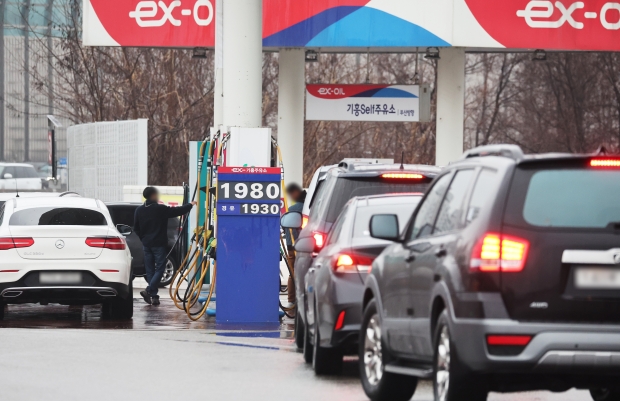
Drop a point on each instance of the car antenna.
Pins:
(16, 188)
(402, 160)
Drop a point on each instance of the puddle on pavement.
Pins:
(146, 317)
(259, 334)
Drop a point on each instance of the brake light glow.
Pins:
(114, 243)
(304, 221)
(605, 163)
(11, 243)
(344, 260)
(402, 176)
(340, 321)
(347, 263)
(319, 239)
(509, 340)
(496, 252)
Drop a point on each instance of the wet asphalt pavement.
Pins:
(46, 354)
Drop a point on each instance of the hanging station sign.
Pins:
(363, 102)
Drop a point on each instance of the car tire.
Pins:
(325, 361)
(2, 308)
(169, 269)
(451, 381)
(308, 349)
(122, 308)
(378, 384)
(299, 331)
(603, 394)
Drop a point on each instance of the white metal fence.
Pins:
(105, 156)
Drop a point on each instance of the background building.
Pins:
(31, 31)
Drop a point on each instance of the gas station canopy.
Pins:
(360, 25)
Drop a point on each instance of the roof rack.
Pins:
(349, 163)
(512, 151)
(70, 194)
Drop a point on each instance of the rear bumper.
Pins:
(566, 349)
(92, 290)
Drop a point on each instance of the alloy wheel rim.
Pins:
(168, 271)
(373, 357)
(442, 376)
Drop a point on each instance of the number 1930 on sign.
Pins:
(248, 209)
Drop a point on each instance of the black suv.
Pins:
(123, 213)
(341, 184)
(506, 278)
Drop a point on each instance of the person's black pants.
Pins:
(154, 264)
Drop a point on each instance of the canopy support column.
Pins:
(291, 96)
(243, 63)
(450, 105)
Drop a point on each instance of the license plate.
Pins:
(60, 278)
(597, 278)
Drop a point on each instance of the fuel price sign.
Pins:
(249, 191)
(248, 243)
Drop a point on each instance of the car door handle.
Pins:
(410, 258)
(441, 253)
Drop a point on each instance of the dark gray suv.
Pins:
(335, 282)
(341, 184)
(506, 278)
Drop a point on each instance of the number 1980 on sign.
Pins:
(248, 190)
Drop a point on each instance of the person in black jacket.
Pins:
(298, 195)
(151, 225)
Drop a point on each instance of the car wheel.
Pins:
(308, 349)
(451, 382)
(299, 331)
(325, 361)
(603, 394)
(121, 309)
(2, 307)
(378, 384)
(171, 267)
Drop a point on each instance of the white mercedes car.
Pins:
(64, 250)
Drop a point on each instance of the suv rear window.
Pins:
(57, 216)
(565, 198)
(347, 188)
(364, 214)
(573, 198)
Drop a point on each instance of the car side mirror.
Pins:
(291, 220)
(7, 176)
(385, 226)
(307, 245)
(124, 229)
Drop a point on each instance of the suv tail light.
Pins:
(495, 252)
(114, 243)
(349, 263)
(605, 163)
(304, 221)
(10, 243)
(319, 239)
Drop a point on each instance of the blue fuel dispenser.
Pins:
(248, 250)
